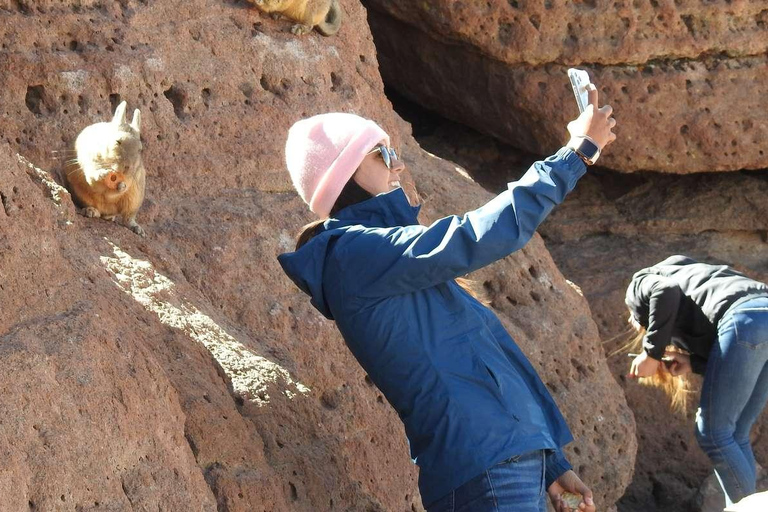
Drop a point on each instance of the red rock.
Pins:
(687, 80)
(185, 371)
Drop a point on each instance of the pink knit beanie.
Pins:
(324, 151)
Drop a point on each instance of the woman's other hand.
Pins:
(643, 366)
(595, 123)
(570, 482)
(680, 364)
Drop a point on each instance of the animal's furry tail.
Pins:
(330, 25)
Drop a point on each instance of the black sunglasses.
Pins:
(388, 154)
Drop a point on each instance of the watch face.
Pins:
(588, 149)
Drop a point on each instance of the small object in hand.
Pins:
(113, 180)
(666, 359)
(571, 499)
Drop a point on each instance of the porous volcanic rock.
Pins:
(688, 80)
(91, 419)
(184, 371)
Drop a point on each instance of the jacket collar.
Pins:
(384, 210)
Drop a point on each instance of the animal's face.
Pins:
(111, 149)
(122, 142)
(125, 152)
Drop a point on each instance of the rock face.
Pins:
(538, 32)
(687, 80)
(184, 371)
(92, 421)
(609, 227)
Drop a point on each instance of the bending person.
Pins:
(710, 320)
(482, 427)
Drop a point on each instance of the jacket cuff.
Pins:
(653, 351)
(556, 465)
(576, 165)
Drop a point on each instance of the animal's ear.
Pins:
(119, 117)
(136, 121)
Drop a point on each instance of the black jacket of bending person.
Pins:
(680, 302)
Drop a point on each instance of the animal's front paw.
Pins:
(276, 16)
(138, 230)
(91, 212)
(300, 30)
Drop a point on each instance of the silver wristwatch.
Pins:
(586, 148)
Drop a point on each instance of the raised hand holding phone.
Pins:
(593, 129)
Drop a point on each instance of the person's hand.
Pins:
(595, 123)
(570, 482)
(680, 364)
(643, 366)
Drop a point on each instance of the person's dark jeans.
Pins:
(514, 485)
(734, 393)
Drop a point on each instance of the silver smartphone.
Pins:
(579, 81)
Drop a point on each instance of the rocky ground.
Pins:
(689, 78)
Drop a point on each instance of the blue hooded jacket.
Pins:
(467, 395)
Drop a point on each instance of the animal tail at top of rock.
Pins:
(330, 25)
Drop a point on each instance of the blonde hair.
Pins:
(676, 388)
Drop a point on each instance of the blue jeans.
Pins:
(734, 393)
(514, 485)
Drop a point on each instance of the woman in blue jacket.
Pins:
(710, 320)
(482, 427)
